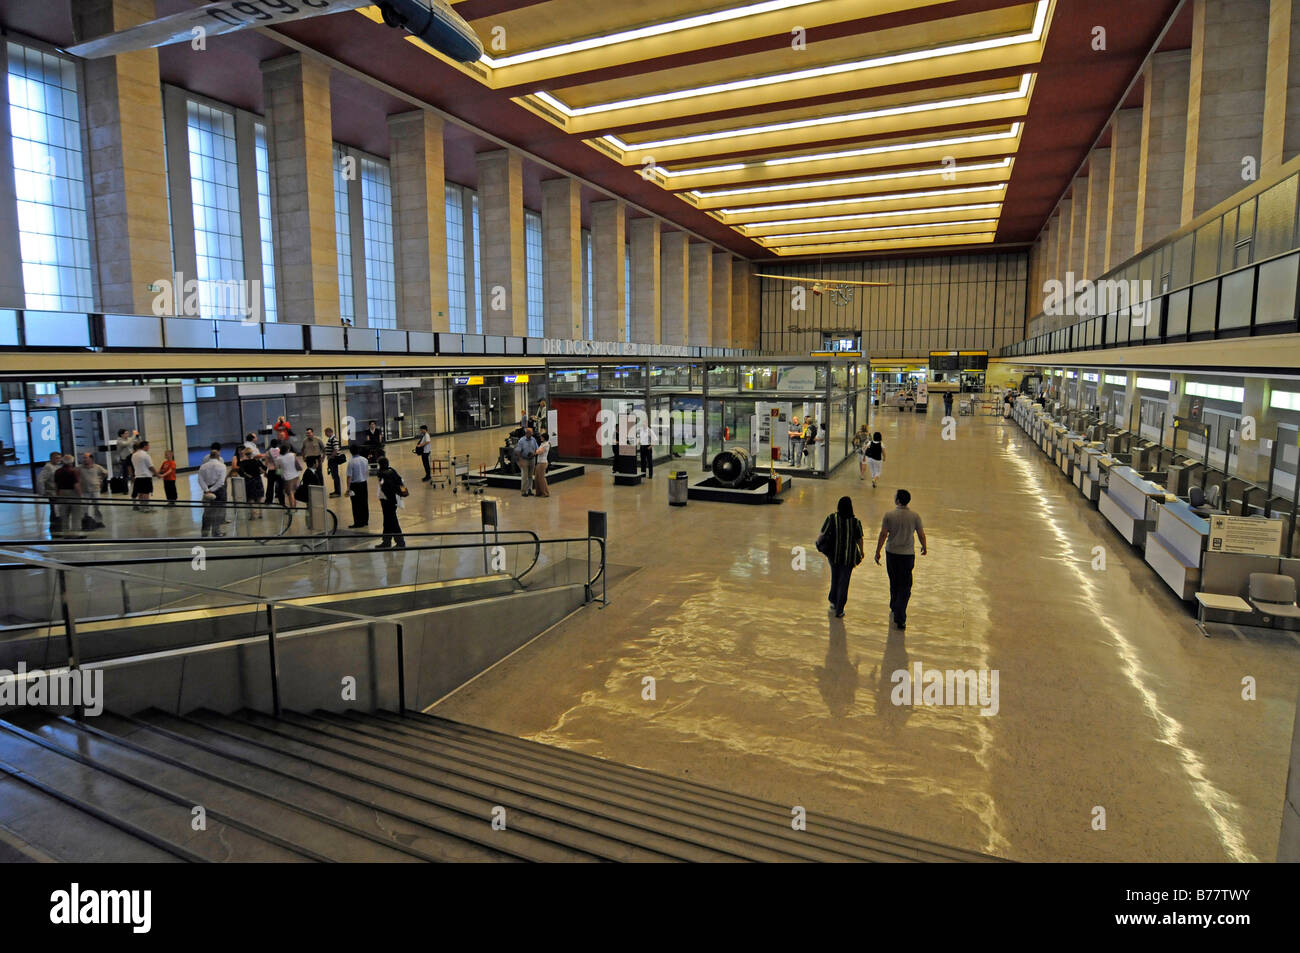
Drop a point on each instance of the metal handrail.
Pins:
(70, 628)
(35, 499)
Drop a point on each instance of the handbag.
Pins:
(301, 494)
(826, 541)
(403, 491)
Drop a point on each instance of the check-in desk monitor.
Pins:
(1175, 547)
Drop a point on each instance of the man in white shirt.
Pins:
(645, 441)
(212, 484)
(290, 473)
(144, 469)
(358, 473)
(92, 478)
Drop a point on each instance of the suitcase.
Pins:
(117, 485)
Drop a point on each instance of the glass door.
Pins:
(258, 414)
(399, 420)
(88, 428)
(489, 399)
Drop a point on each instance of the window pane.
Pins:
(1277, 284)
(377, 223)
(344, 167)
(218, 241)
(48, 175)
(263, 156)
(533, 263)
(455, 258)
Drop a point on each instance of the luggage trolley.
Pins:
(457, 474)
(964, 407)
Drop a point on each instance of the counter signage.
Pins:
(1239, 534)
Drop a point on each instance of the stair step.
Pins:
(150, 814)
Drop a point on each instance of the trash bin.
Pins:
(677, 488)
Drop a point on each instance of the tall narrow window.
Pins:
(49, 181)
(478, 271)
(214, 190)
(377, 221)
(263, 156)
(627, 293)
(343, 164)
(455, 259)
(589, 298)
(533, 263)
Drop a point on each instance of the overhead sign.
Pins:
(1248, 535)
(516, 378)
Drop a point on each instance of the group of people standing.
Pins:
(533, 458)
(841, 540)
(803, 440)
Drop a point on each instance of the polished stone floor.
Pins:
(1108, 696)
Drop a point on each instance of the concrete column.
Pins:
(1164, 147)
(609, 268)
(742, 282)
(1094, 222)
(1057, 225)
(562, 257)
(124, 127)
(501, 236)
(1225, 106)
(1282, 86)
(720, 330)
(701, 306)
(645, 280)
(296, 91)
(11, 261)
(675, 287)
(1079, 228)
(419, 220)
(1132, 403)
(1122, 199)
(1063, 246)
(1254, 456)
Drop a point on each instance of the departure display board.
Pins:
(952, 361)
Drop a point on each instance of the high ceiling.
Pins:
(774, 128)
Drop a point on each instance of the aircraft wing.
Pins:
(828, 281)
(214, 19)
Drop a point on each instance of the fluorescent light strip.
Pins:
(1284, 400)
(893, 59)
(854, 245)
(877, 228)
(882, 197)
(1153, 383)
(850, 180)
(845, 218)
(1018, 93)
(869, 150)
(1116, 379)
(657, 29)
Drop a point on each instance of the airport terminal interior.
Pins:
(561, 431)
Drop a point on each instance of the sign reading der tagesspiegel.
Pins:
(1240, 534)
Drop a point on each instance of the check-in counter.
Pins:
(1124, 503)
(1068, 454)
(1055, 441)
(1174, 548)
(1079, 459)
(1092, 475)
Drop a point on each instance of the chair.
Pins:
(1213, 499)
(1196, 497)
(1273, 595)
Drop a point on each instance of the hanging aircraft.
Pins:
(433, 21)
(841, 290)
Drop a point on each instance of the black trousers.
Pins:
(839, 594)
(648, 461)
(900, 584)
(360, 504)
(424, 458)
(334, 475)
(275, 488)
(392, 530)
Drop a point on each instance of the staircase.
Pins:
(374, 787)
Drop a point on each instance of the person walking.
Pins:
(334, 459)
(840, 541)
(424, 447)
(358, 473)
(896, 531)
(646, 443)
(947, 403)
(873, 455)
(67, 490)
(46, 488)
(539, 467)
(251, 469)
(92, 481)
(168, 473)
(212, 484)
(391, 491)
(526, 451)
(312, 449)
(290, 468)
(144, 470)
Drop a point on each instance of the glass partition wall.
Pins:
(699, 408)
(189, 415)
